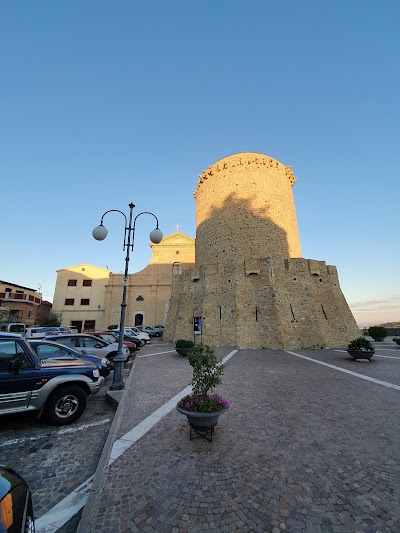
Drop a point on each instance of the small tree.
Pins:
(53, 319)
(207, 370)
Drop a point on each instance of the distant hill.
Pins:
(391, 325)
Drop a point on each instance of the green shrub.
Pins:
(183, 344)
(397, 341)
(207, 370)
(377, 332)
(360, 344)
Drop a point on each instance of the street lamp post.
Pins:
(100, 233)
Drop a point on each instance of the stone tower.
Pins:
(250, 288)
(245, 208)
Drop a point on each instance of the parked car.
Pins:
(15, 503)
(57, 390)
(139, 342)
(154, 331)
(36, 332)
(137, 333)
(143, 329)
(13, 327)
(108, 336)
(90, 344)
(45, 349)
(68, 329)
(52, 330)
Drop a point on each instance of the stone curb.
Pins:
(114, 398)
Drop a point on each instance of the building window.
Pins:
(69, 301)
(139, 299)
(8, 290)
(87, 283)
(89, 325)
(85, 301)
(19, 292)
(72, 282)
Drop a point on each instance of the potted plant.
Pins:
(183, 347)
(378, 333)
(202, 408)
(361, 348)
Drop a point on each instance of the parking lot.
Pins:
(54, 460)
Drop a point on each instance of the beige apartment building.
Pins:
(89, 297)
(21, 304)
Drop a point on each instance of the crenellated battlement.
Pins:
(243, 160)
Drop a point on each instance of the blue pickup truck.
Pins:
(57, 390)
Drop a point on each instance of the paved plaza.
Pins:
(311, 442)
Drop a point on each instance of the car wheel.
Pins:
(157, 334)
(111, 356)
(65, 405)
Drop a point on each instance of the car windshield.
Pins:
(108, 338)
(46, 351)
(93, 342)
(17, 328)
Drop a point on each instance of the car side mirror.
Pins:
(14, 366)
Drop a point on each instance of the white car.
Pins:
(135, 332)
(36, 332)
(90, 344)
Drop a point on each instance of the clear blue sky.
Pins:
(103, 103)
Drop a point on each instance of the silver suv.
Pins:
(90, 344)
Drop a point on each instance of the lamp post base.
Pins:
(117, 386)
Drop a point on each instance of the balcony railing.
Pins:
(17, 296)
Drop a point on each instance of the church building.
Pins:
(89, 297)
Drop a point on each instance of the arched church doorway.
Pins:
(139, 319)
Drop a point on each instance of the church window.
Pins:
(139, 298)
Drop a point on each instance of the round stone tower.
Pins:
(245, 209)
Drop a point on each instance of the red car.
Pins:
(109, 336)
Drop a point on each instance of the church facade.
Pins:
(89, 297)
(250, 287)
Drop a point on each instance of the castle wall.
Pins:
(264, 303)
(250, 285)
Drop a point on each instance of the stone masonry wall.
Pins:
(250, 285)
(288, 304)
(245, 208)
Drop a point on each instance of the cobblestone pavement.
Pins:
(304, 447)
(54, 460)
